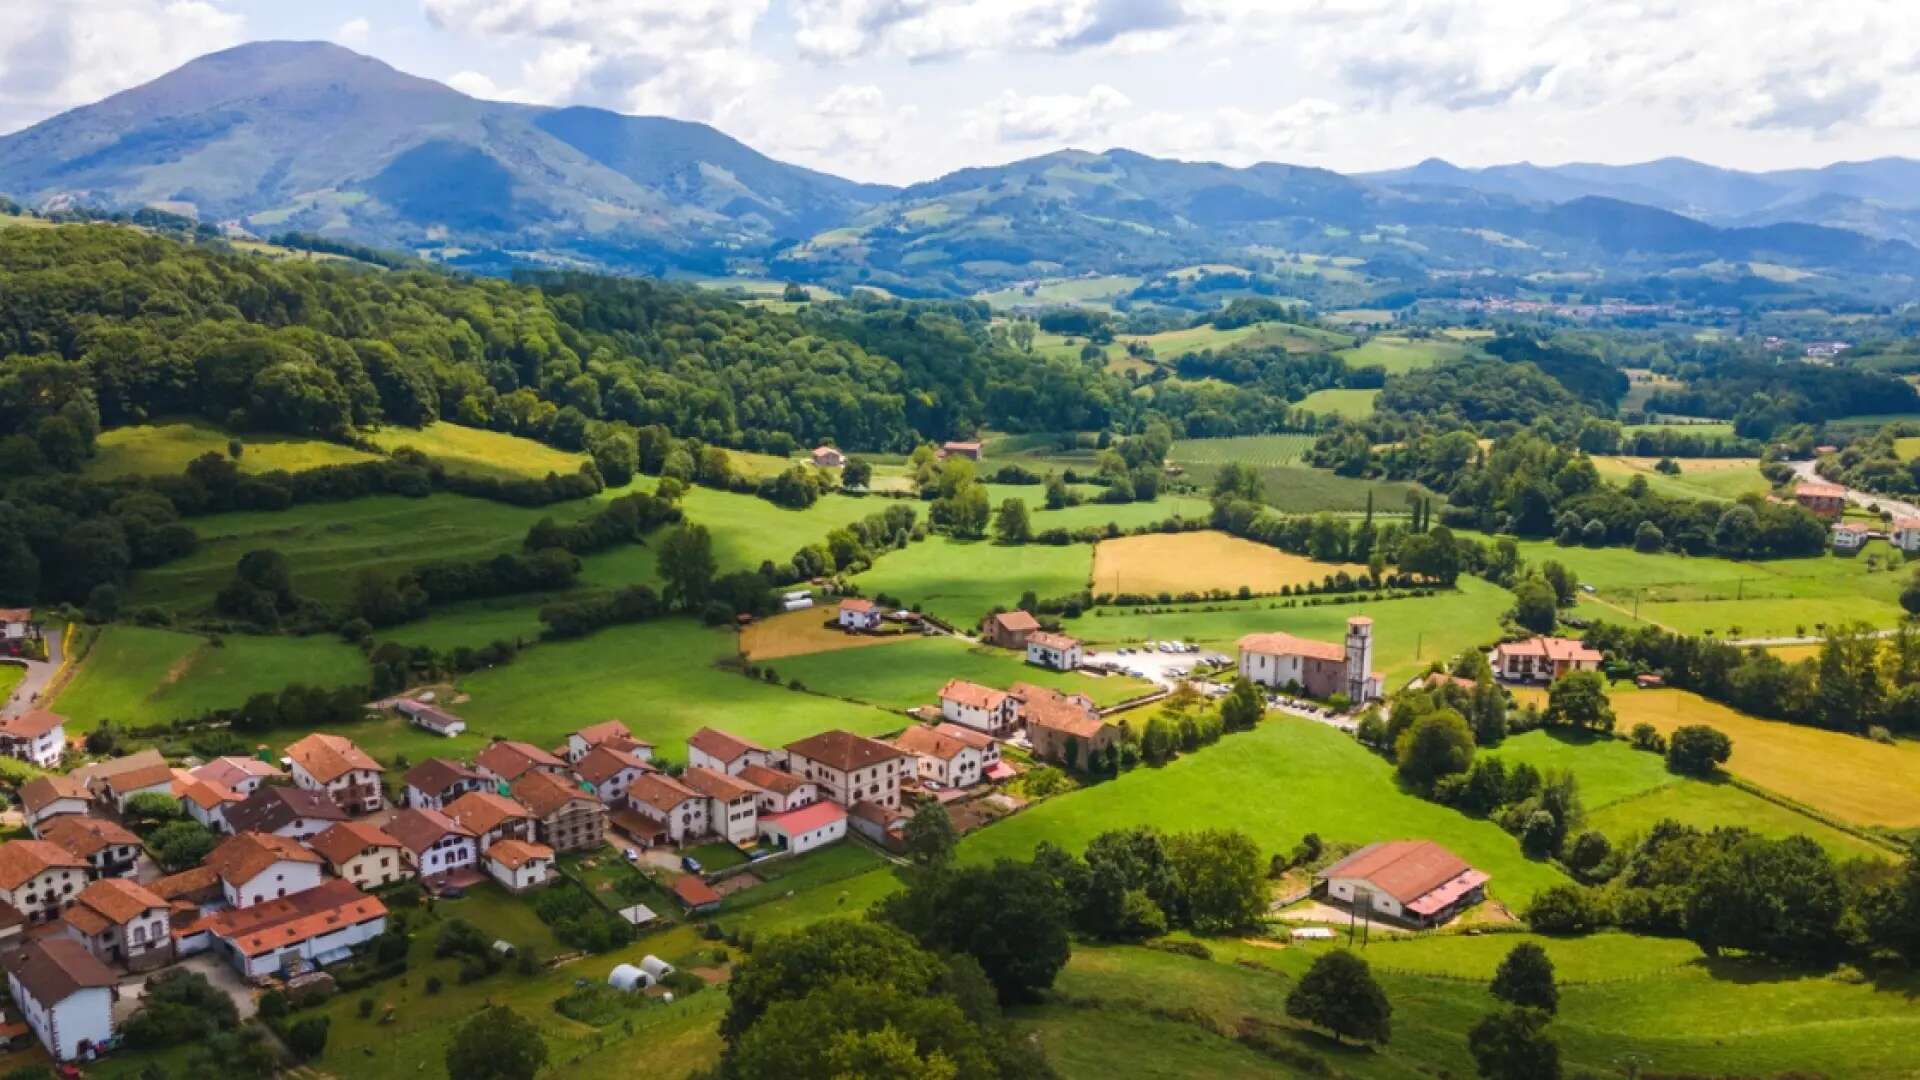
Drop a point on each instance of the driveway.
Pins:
(218, 972)
(39, 674)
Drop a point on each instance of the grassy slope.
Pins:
(898, 676)
(1400, 355)
(479, 452)
(1738, 477)
(1349, 403)
(167, 448)
(949, 577)
(140, 675)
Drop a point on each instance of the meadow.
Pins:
(1256, 450)
(478, 452)
(1287, 484)
(1053, 292)
(1719, 479)
(140, 675)
(1400, 355)
(167, 447)
(952, 580)
(1202, 561)
(912, 672)
(809, 630)
(1353, 404)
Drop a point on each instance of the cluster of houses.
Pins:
(1829, 502)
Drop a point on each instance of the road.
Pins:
(39, 674)
(1805, 471)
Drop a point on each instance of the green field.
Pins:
(1172, 344)
(1722, 480)
(477, 452)
(948, 577)
(1354, 404)
(1609, 770)
(11, 676)
(908, 673)
(1400, 355)
(167, 448)
(137, 675)
(1708, 806)
(1283, 779)
(1059, 292)
(1705, 429)
(1257, 450)
(1290, 486)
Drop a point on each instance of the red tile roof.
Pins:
(856, 604)
(436, 776)
(843, 750)
(784, 783)
(290, 920)
(117, 900)
(233, 771)
(1045, 640)
(1283, 644)
(1564, 650)
(1055, 711)
(603, 763)
(807, 818)
(418, 829)
(660, 791)
(546, 794)
(595, 734)
(327, 758)
(43, 791)
(719, 744)
(972, 694)
(346, 841)
(694, 892)
(926, 742)
(1016, 622)
(483, 811)
(1403, 869)
(514, 854)
(510, 758)
(23, 860)
(717, 785)
(87, 836)
(31, 724)
(239, 859)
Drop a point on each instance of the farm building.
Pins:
(826, 457)
(1823, 499)
(626, 978)
(65, 994)
(336, 766)
(1321, 669)
(1063, 728)
(1009, 629)
(1414, 881)
(968, 450)
(694, 894)
(429, 718)
(38, 736)
(710, 748)
(1543, 659)
(316, 926)
(1905, 534)
(804, 829)
(858, 614)
(1056, 651)
(850, 768)
(1851, 536)
(981, 708)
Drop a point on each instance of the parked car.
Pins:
(690, 864)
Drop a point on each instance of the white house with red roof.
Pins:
(858, 614)
(851, 768)
(1320, 669)
(1905, 534)
(1851, 536)
(1050, 650)
(520, 865)
(1414, 881)
(1821, 498)
(610, 772)
(38, 736)
(949, 754)
(241, 774)
(257, 867)
(318, 925)
(982, 708)
(329, 763)
(732, 806)
(670, 811)
(710, 748)
(1543, 659)
(805, 829)
(608, 733)
(780, 791)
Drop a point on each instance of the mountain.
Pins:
(280, 136)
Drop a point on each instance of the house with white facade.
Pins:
(65, 994)
(207, 803)
(1056, 651)
(1851, 536)
(314, 927)
(121, 788)
(38, 736)
(507, 760)
(1543, 659)
(1417, 882)
(363, 853)
(436, 782)
(712, 749)
(121, 922)
(334, 765)
(46, 797)
(107, 847)
(981, 708)
(676, 812)
(256, 867)
(610, 772)
(296, 813)
(241, 774)
(519, 865)
(492, 818)
(948, 755)
(732, 803)
(94, 776)
(859, 615)
(804, 829)
(850, 768)
(39, 878)
(1318, 669)
(428, 717)
(1905, 534)
(608, 733)
(780, 791)
(433, 843)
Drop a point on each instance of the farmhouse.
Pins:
(1851, 536)
(609, 772)
(804, 829)
(207, 803)
(1009, 629)
(949, 754)
(430, 718)
(826, 457)
(336, 766)
(120, 922)
(611, 734)
(293, 812)
(850, 768)
(434, 844)
(858, 614)
(1320, 669)
(240, 774)
(507, 760)
(435, 782)
(46, 797)
(721, 752)
(65, 994)
(981, 708)
(38, 736)
(492, 818)
(675, 812)
(779, 791)
(732, 806)
(519, 865)
(1056, 651)
(1414, 881)
(363, 853)
(968, 450)
(316, 926)
(1064, 729)
(257, 867)
(1823, 499)
(1905, 534)
(107, 848)
(38, 878)
(96, 775)
(1543, 659)
(565, 818)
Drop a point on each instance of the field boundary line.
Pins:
(1821, 816)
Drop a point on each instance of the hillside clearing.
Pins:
(477, 452)
(167, 448)
(913, 672)
(1200, 562)
(1354, 404)
(139, 675)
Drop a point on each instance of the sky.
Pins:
(903, 90)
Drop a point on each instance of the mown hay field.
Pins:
(478, 452)
(166, 448)
(810, 630)
(1354, 404)
(1722, 479)
(1200, 562)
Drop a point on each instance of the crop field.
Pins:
(961, 580)
(478, 452)
(1797, 761)
(1409, 633)
(1199, 562)
(167, 448)
(1256, 450)
(810, 630)
(912, 673)
(1353, 404)
(1720, 479)
(1400, 355)
(1285, 778)
(138, 675)
(1706, 429)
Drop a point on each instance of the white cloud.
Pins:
(354, 33)
(1057, 119)
(852, 130)
(55, 54)
(930, 29)
(1234, 135)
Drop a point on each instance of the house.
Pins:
(565, 818)
(608, 773)
(65, 994)
(241, 774)
(721, 752)
(207, 803)
(363, 853)
(1905, 534)
(826, 457)
(1823, 499)
(676, 811)
(1056, 651)
(293, 812)
(1319, 669)
(18, 631)
(313, 927)
(849, 768)
(858, 614)
(981, 708)
(949, 755)
(508, 760)
(195, 888)
(95, 776)
(108, 849)
(120, 788)
(38, 736)
(1009, 629)
(336, 766)
(430, 717)
(491, 818)
(1850, 536)
(257, 867)
(519, 865)
(804, 829)
(779, 791)
(968, 450)
(883, 825)
(39, 878)
(694, 894)
(609, 733)
(733, 804)
(1414, 881)
(1064, 728)
(433, 843)
(46, 797)
(1543, 659)
(435, 782)
(121, 922)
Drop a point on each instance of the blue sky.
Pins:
(902, 90)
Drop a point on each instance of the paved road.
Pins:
(39, 673)
(1805, 471)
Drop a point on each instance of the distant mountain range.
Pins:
(281, 136)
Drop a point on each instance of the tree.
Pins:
(1647, 538)
(1221, 878)
(687, 565)
(1011, 918)
(1339, 993)
(1243, 706)
(1159, 741)
(845, 1027)
(1237, 481)
(497, 1044)
(1698, 750)
(1437, 744)
(1011, 524)
(1534, 606)
(1512, 1045)
(788, 966)
(930, 838)
(1780, 898)
(1579, 699)
(307, 1038)
(857, 473)
(179, 845)
(1525, 978)
(150, 808)
(1910, 595)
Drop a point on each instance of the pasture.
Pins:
(477, 452)
(1399, 354)
(1799, 762)
(1353, 404)
(140, 675)
(1907, 447)
(798, 633)
(1719, 479)
(1171, 344)
(1093, 291)
(961, 580)
(1256, 450)
(1200, 562)
(1715, 805)
(167, 447)
(912, 672)
(1283, 779)
(1288, 485)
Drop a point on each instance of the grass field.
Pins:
(1400, 355)
(1409, 633)
(951, 579)
(1722, 479)
(1053, 292)
(477, 452)
(1608, 769)
(1172, 344)
(1713, 805)
(1199, 562)
(912, 673)
(1907, 447)
(1354, 404)
(1797, 761)
(811, 630)
(1285, 778)
(1256, 450)
(137, 675)
(11, 676)
(1289, 485)
(167, 448)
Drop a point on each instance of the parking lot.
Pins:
(1161, 668)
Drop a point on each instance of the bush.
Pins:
(307, 1038)
(433, 984)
